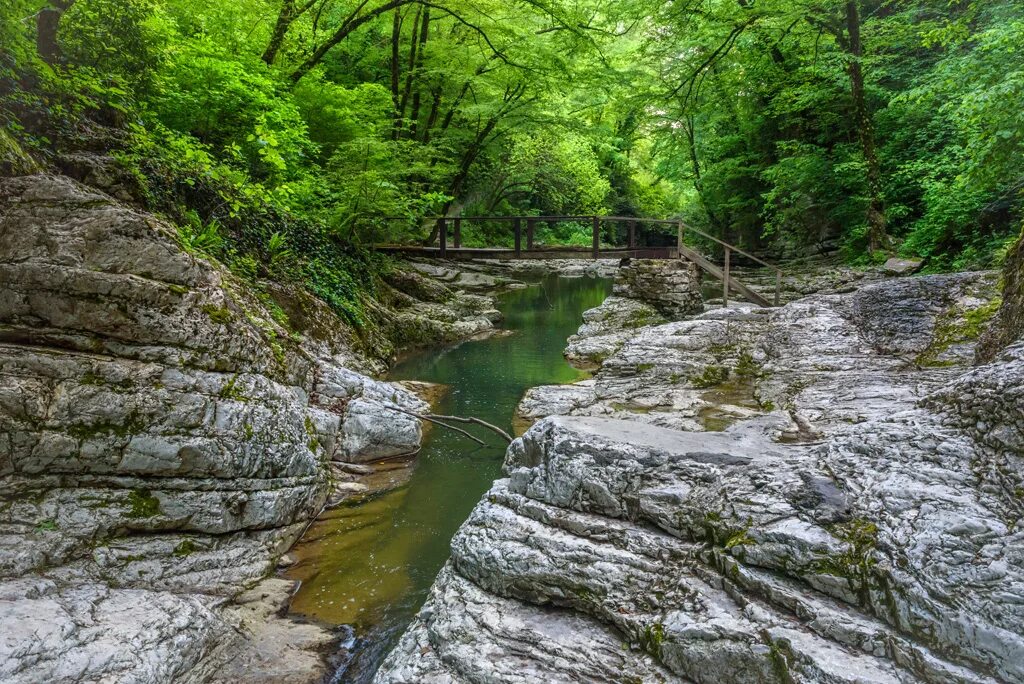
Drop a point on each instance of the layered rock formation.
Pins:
(670, 286)
(164, 437)
(817, 493)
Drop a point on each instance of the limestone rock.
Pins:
(901, 267)
(1008, 324)
(858, 523)
(163, 441)
(672, 286)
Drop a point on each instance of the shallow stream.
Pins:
(369, 564)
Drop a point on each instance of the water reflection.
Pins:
(369, 565)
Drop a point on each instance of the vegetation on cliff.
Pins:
(288, 128)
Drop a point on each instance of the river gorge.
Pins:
(370, 562)
(824, 491)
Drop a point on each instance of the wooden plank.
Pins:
(725, 279)
(542, 253)
(714, 270)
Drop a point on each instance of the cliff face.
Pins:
(1008, 325)
(163, 440)
(849, 511)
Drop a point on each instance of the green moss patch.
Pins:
(218, 314)
(186, 548)
(956, 326)
(712, 376)
(142, 504)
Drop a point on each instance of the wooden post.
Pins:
(457, 237)
(530, 225)
(778, 287)
(442, 236)
(725, 279)
(631, 229)
(679, 240)
(597, 236)
(518, 227)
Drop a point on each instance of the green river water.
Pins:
(368, 565)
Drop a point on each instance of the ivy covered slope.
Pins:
(164, 441)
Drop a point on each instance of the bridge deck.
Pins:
(527, 249)
(535, 253)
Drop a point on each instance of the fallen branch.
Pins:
(476, 421)
(439, 420)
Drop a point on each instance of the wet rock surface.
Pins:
(164, 438)
(824, 492)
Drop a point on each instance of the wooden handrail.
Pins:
(588, 218)
(733, 248)
(632, 221)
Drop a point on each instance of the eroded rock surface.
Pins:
(817, 493)
(164, 438)
(670, 286)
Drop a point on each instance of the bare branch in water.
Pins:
(439, 420)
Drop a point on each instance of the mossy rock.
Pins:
(142, 504)
(14, 161)
(712, 376)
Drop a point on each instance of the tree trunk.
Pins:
(435, 109)
(468, 157)
(47, 27)
(698, 179)
(414, 115)
(407, 91)
(284, 21)
(396, 39)
(866, 130)
(350, 24)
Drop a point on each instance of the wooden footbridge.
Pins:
(605, 231)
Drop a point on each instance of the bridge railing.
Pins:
(447, 233)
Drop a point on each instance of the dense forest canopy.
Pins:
(871, 126)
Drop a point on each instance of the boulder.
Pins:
(671, 286)
(901, 267)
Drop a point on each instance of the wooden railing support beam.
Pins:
(597, 236)
(457, 234)
(725, 279)
(442, 237)
(517, 226)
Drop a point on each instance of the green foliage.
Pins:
(285, 160)
(196, 238)
(122, 39)
(142, 504)
(765, 128)
(185, 548)
(712, 376)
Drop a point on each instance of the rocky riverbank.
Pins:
(825, 492)
(166, 432)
